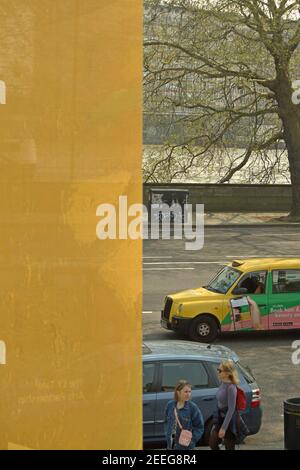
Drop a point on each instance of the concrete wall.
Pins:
(233, 197)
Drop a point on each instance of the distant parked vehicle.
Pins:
(166, 362)
(250, 294)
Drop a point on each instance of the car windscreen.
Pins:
(224, 280)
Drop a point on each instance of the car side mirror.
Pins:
(240, 291)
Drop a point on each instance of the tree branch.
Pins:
(219, 67)
(252, 147)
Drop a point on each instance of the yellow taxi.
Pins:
(248, 294)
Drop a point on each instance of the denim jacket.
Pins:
(190, 418)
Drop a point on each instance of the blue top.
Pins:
(190, 418)
(226, 396)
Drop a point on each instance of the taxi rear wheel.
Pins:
(204, 329)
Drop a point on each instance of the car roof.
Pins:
(251, 264)
(179, 349)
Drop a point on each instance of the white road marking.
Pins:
(159, 257)
(259, 257)
(186, 262)
(147, 311)
(239, 257)
(166, 269)
(268, 234)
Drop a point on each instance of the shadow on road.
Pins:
(253, 336)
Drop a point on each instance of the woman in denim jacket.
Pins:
(189, 415)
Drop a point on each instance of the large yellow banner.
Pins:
(70, 139)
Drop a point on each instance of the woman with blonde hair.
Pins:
(225, 418)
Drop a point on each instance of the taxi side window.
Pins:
(254, 282)
(286, 281)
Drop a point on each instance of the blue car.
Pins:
(166, 362)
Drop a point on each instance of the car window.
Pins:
(193, 372)
(254, 282)
(286, 281)
(148, 377)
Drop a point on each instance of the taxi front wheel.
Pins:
(204, 329)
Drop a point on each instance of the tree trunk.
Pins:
(290, 116)
(292, 139)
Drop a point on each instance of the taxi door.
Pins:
(284, 299)
(256, 283)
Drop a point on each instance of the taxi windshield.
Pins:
(224, 279)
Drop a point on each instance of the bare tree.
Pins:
(225, 69)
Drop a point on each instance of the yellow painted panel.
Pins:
(13, 446)
(70, 139)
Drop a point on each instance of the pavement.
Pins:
(246, 446)
(234, 219)
(271, 446)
